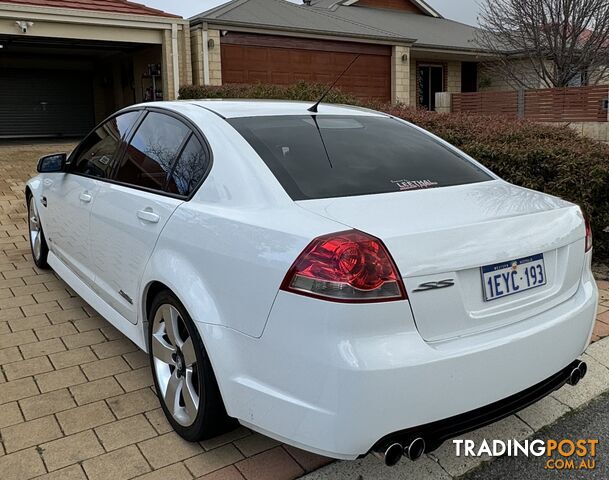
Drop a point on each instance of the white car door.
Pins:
(67, 198)
(131, 210)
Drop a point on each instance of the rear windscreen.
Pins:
(338, 156)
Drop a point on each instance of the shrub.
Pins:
(551, 159)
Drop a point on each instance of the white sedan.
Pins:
(339, 280)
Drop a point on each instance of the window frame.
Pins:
(121, 151)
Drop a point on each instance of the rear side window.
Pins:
(96, 155)
(190, 168)
(152, 152)
(338, 156)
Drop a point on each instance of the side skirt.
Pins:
(133, 332)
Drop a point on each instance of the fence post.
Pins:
(521, 105)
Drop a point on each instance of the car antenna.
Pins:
(314, 107)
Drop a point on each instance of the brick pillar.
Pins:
(400, 75)
(185, 56)
(215, 58)
(196, 44)
(169, 92)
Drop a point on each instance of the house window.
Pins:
(430, 80)
(469, 77)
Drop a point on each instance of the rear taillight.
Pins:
(588, 234)
(346, 267)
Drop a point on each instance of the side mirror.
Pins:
(53, 163)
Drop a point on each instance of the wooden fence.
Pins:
(576, 104)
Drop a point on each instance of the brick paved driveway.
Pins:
(75, 395)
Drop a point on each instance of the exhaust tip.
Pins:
(392, 455)
(583, 369)
(415, 449)
(574, 377)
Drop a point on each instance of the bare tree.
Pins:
(546, 42)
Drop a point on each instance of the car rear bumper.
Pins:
(336, 379)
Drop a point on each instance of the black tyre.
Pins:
(183, 375)
(38, 243)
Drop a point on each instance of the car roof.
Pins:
(262, 108)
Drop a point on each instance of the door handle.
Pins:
(148, 216)
(85, 197)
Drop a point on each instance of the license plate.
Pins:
(508, 278)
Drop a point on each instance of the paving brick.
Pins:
(12, 313)
(39, 278)
(121, 464)
(51, 296)
(84, 417)
(39, 349)
(46, 404)
(16, 339)
(29, 434)
(177, 471)
(307, 460)
(27, 368)
(10, 415)
(114, 348)
(21, 465)
(55, 331)
(70, 358)
(17, 389)
(88, 324)
(111, 333)
(105, 368)
(9, 355)
(28, 289)
(137, 359)
(73, 302)
(83, 339)
(256, 443)
(226, 473)
(275, 463)
(40, 308)
(63, 316)
(159, 421)
(28, 323)
(167, 449)
(225, 438)
(213, 460)
(125, 432)
(73, 472)
(97, 390)
(60, 379)
(70, 450)
(135, 379)
(133, 403)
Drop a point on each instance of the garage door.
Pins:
(249, 58)
(39, 103)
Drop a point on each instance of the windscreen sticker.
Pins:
(405, 185)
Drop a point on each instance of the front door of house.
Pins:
(430, 79)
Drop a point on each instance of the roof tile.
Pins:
(114, 6)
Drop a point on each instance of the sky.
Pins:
(461, 10)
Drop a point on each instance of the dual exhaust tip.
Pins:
(578, 372)
(394, 452)
(416, 448)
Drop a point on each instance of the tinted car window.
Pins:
(337, 156)
(189, 169)
(97, 154)
(152, 151)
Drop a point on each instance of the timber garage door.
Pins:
(45, 103)
(250, 58)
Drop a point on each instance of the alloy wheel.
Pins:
(35, 230)
(175, 365)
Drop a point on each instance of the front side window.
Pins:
(316, 156)
(152, 152)
(97, 154)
